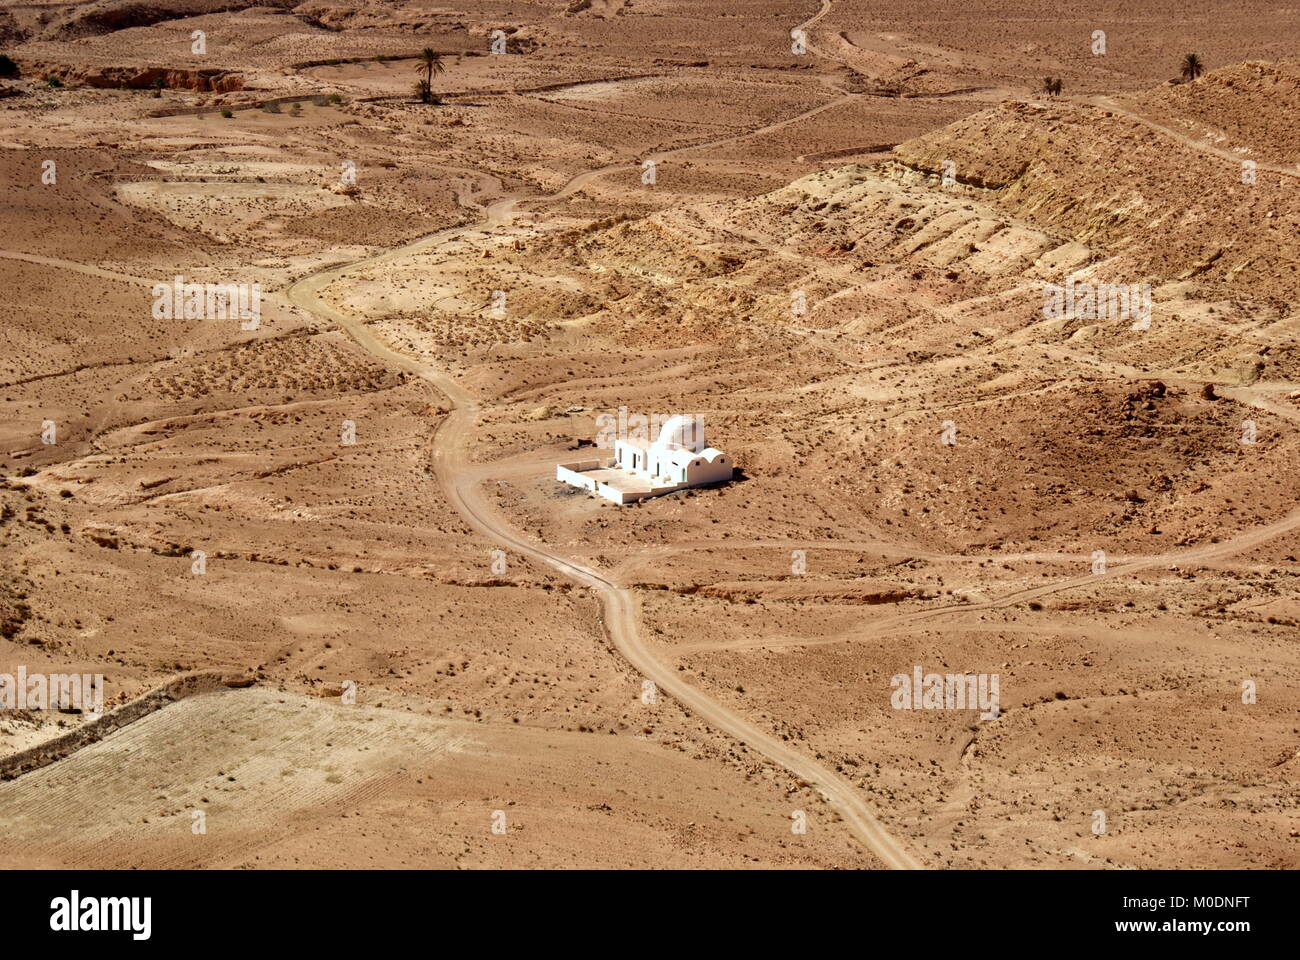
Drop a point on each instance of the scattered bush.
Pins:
(226, 113)
(53, 82)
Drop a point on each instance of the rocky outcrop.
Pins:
(136, 77)
(1161, 203)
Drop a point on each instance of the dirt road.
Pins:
(460, 485)
(461, 480)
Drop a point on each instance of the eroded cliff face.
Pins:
(134, 77)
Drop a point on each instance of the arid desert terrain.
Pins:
(345, 615)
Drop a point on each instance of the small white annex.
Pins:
(677, 459)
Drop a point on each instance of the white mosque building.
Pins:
(677, 459)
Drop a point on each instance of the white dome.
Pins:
(682, 431)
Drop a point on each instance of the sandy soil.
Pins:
(908, 177)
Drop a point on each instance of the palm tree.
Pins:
(1051, 86)
(1192, 67)
(430, 63)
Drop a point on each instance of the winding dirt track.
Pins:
(461, 481)
(460, 484)
(1200, 146)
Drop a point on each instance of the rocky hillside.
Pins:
(1167, 206)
